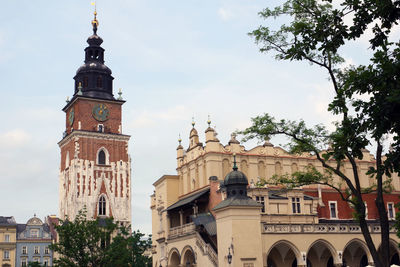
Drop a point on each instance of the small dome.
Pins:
(236, 177)
(193, 132)
(34, 221)
(94, 40)
(179, 147)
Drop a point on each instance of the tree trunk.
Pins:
(368, 239)
(384, 223)
(380, 205)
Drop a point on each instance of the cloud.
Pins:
(225, 14)
(14, 138)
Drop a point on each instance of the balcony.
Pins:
(182, 230)
(319, 228)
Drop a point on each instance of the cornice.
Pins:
(76, 97)
(96, 135)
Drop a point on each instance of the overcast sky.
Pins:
(172, 59)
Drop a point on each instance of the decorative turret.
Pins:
(233, 139)
(93, 79)
(211, 135)
(179, 149)
(194, 136)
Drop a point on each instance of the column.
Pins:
(181, 217)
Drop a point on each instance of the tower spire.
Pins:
(95, 22)
(93, 79)
(235, 168)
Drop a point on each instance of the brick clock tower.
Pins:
(95, 169)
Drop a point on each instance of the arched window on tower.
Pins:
(102, 206)
(101, 157)
(99, 82)
(85, 81)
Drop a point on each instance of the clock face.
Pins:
(100, 112)
(71, 116)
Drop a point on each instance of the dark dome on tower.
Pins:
(236, 183)
(93, 79)
(235, 177)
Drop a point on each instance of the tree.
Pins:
(367, 99)
(100, 242)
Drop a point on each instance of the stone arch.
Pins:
(225, 167)
(278, 168)
(322, 253)
(394, 251)
(282, 254)
(244, 167)
(188, 255)
(354, 253)
(261, 169)
(294, 167)
(99, 155)
(174, 258)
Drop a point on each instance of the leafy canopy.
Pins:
(100, 242)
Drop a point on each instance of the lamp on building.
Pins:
(229, 256)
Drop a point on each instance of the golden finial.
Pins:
(180, 139)
(209, 121)
(193, 123)
(95, 22)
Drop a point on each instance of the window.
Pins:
(296, 205)
(390, 207)
(6, 238)
(36, 250)
(99, 82)
(46, 250)
(24, 250)
(46, 262)
(333, 209)
(36, 259)
(102, 157)
(6, 255)
(85, 81)
(24, 262)
(34, 233)
(100, 128)
(102, 206)
(260, 200)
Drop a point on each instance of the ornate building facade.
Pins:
(211, 215)
(8, 230)
(95, 169)
(33, 241)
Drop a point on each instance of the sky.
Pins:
(174, 60)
